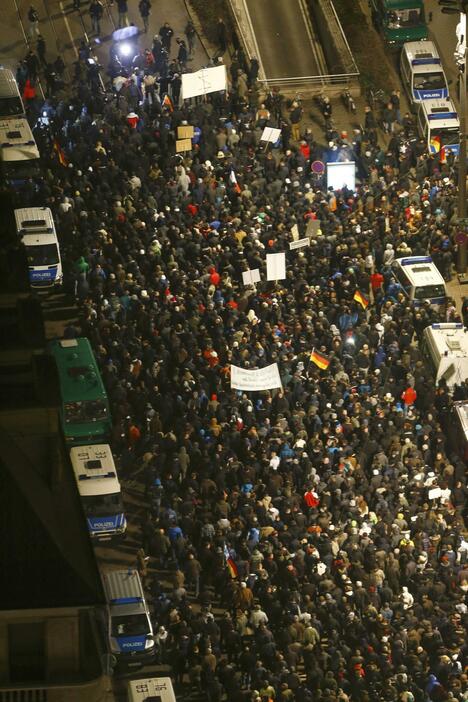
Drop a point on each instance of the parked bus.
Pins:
(84, 413)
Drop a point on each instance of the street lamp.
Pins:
(451, 7)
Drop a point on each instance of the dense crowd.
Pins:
(303, 513)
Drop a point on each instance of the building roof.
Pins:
(46, 555)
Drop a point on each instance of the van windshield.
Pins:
(396, 19)
(429, 81)
(10, 107)
(444, 137)
(130, 625)
(102, 505)
(46, 255)
(426, 292)
(80, 412)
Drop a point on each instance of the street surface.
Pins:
(286, 39)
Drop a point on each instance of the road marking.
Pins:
(316, 48)
(67, 25)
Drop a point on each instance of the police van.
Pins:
(445, 347)
(99, 489)
(420, 280)
(20, 158)
(151, 690)
(458, 430)
(422, 72)
(439, 126)
(11, 104)
(35, 226)
(128, 627)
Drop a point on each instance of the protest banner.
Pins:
(207, 80)
(186, 132)
(251, 276)
(299, 244)
(276, 266)
(270, 134)
(254, 380)
(183, 145)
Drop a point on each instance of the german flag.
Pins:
(320, 359)
(167, 102)
(60, 154)
(359, 297)
(230, 563)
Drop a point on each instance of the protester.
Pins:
(304, 513)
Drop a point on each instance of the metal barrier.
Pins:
(342, 79)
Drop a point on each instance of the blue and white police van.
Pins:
(99, 489)
(420, 280)
(439, 127)
(35, 226)
(422, 72)
(129, 629)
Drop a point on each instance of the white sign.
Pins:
(276, 266)
(260, 379)
(271, 134)
(295, 232)
(251, 277)
(434, 493)
(299, 244)
(208, 80)
(341, 174)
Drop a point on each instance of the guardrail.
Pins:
(342, 79)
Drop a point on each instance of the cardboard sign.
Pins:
(313, 227)
(251, 277)
(183, 145)
(276, 266)
(299, 244)
(260, 379)
(207, 80)
(271, 134)
(434, 493)
(185, 132)
(295, 232)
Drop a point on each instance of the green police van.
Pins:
(399, 20)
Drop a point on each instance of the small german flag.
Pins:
(320, 359)
(230, 563)
(359, 297)
(167, 102)
(60, 154)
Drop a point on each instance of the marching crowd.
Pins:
(303, 513)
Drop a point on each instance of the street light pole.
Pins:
(460, 57)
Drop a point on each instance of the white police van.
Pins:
(20, 158)
(99, 489)
(151, 690)
(129, 629)
(35, 226)
(420, 280)
(439, 126)
(422, 72)
(445, 346)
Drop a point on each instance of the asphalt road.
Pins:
(286, 42)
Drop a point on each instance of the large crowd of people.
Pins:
(302, 514)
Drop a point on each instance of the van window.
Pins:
(46, 255)
(91, 411)
(404, 18)
(10, 107)
(428, 291)
(129, 625)
(429, 81)
(102, 504)
(403, 280)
